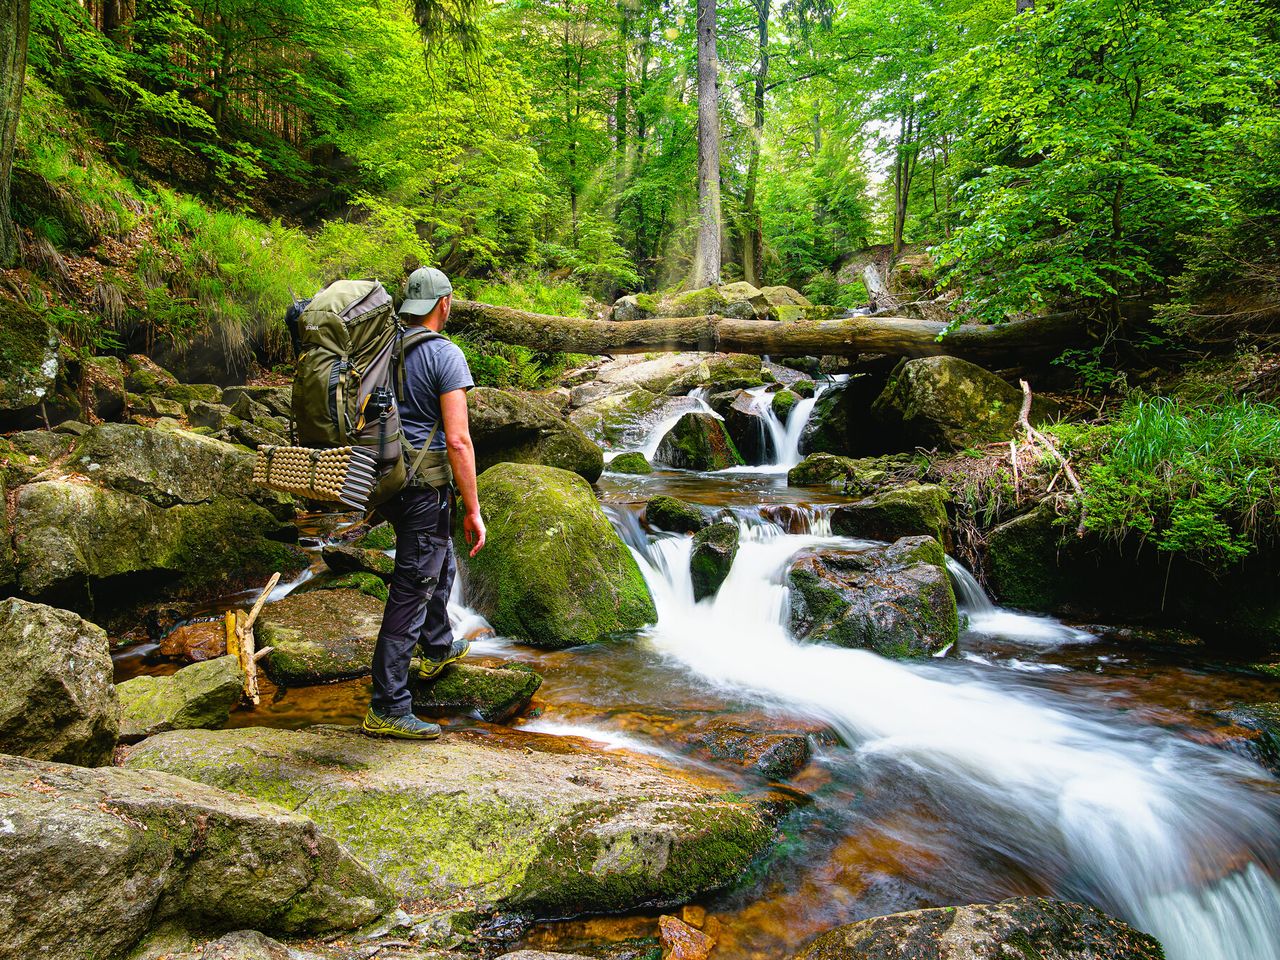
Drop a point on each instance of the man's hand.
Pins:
(473, 531)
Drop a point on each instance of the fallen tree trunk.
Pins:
(1013, 344)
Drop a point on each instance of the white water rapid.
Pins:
(784, 438)
(1175, 837)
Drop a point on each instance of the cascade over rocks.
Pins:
(57, 701)
(916, 509)
(618, 418)
(200, 695)
(554, 572)
(746, 425)
(698, 441)
(90, 860)
(896, 600)
(834, 422)
(672, 374)
(319, 636)
(520, 822)
(1023, 927)
(510, 427)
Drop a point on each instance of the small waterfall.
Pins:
(1168, 834)
(986, 618)
(694, 402)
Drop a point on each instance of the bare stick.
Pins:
(262, 598)
(1013, 460)
(245, 633)
(1039, 438)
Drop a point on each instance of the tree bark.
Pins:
(15, 21)
(706, 261)
(1014, 344)
(753, 235)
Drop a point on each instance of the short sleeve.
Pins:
(452, 372)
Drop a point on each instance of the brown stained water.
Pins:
(869, 831)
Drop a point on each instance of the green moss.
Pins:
(697, 303)
(804, 388)
(380, 537)
(1022, 561)
(714, 549)
(783, 403)
(631, 463)
(698, 441)
(648, 302)
(912, 510)
(494, 694)
(367, 583)
(674, 516)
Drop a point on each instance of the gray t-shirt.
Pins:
(432, 368)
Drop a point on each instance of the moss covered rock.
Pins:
(143, 375)
(1030, 927)
(522, 822)
(714, 548)
(382, 536)
(630, 463)
(896, 599)
(1023, 562)
(77, 542)
(776, 755)
(823, 469)
(947, 403)
(495, 694)
(90, 860)
(554, 572)
(698, 441)
(719, 372)
(200, 695)
(746, 422)
(674, 515)
(510, 427)
(784, 401)
(102, 382)
(57, 701)
(371, 585)
(319, 636)
(639, 306)
(29, 363)
(917, 509)
(834, 422)
(342, 558)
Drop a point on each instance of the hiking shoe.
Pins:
(430, 669)
(407, 727)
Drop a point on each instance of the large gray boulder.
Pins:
(57, 701)
(510, 427)
(523, 822)
(90, 860)
(896, 600)
(1026, 927)
(200, 695)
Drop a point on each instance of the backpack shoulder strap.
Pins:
(406, 340)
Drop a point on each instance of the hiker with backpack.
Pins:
(434, 380)
(380, 422)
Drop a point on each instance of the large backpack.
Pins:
(350, 374)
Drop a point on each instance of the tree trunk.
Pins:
(1013, 344)
(15, 20)
(753, 236)
(706, 260)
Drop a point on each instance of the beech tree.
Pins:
(15, 18)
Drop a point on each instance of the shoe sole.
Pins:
(393, 734)
(425, 674)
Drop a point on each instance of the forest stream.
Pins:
(1035, 758)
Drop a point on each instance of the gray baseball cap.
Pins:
(423, 291)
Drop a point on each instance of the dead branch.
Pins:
(1039, 439)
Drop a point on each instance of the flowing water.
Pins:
(1037, 759)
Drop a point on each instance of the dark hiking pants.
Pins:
(417, 605)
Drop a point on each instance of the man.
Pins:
(433, 410)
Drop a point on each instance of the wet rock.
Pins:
(918, 509)
(91, 859)
(1023, 927)
(349, 559)
(698, 441)
(1023, 561)
(895, 600)
(784, 401)
(319, 636)
(1259, 726)
(776, 755)
(680, 941)
(75, 541)
(630, 463)
(675, 516)
(201, 695)
(29, 364)
(522, 821)
(194, 642)
(495, 694)
(714, 548)
(554, 572)
(619, 418)
(834, 422)
(57, 701)
(947, 403)
(822, 469)
(379, 537)
(510, 427)
(747, 425)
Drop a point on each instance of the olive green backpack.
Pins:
(350, 374)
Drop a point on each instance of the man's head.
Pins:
(428, 296)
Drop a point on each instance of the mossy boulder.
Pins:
(1259, 737)
(381, 536)
(825, 469)
(77, 544)
(522, 822)
(698, 441)
(745, 419)
(29, 364)
(57, 701)
(371, 585)
(895, 600)
(1023, 562)
(630, 463)
(674, 515)
(554, 573)
(1030, 927)
(343, 558)
(783, 402)
(278, 401)
(714, 549)
(834, 423)
(102, 382)
(719, 372)
(948, 403)
(510, 427)
(740, 300)
(495, 694)
(622, 418)
(8, 559)
(638, 306)
(917, 509)
(90, 860)
(143, 375)
(200, 695)
(319, 636)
